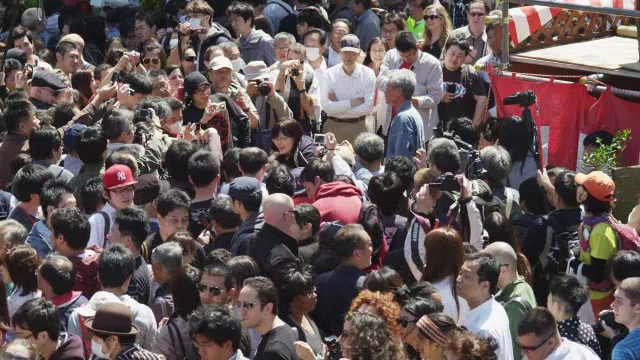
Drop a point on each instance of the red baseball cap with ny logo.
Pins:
(117, 176)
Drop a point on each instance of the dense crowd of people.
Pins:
(291, 179)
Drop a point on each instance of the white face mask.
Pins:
(313, 54)
(96, 349)
(173, 43)
(238, 64)
(175, 128)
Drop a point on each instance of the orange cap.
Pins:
(598, 184)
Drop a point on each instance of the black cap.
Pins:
(148, 188)
(193, 81)
(245, 188)
(48, 79)
(17, 54)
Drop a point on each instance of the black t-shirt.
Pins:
(196, 211)
(467, 84)
(277, 344)
(140, 284)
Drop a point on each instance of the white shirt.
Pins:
(334, 58)
(449, 301)
(361, 84)
(572, 350)
(490, 319)
(97, 226)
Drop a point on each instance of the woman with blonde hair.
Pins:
(437, 29)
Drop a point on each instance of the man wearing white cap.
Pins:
(271, 106)
(348, 95)
(221, 77)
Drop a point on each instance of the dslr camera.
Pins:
(608, 317)
(446, 182)
(263, 88)
(295, 72)
(522, 99)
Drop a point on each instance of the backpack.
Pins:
(627, 237)
(371, 221)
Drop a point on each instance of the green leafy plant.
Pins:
(607, 157)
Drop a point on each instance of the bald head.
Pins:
(504, 253)
(275, 207)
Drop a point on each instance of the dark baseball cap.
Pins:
(245, 188)
(148, 188)
(17, 54)
(48, 79)
(72, 136)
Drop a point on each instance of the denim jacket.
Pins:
(39, 239)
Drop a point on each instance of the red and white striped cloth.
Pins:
(527, 19)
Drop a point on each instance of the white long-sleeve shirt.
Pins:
(490, 318)
(361, 84)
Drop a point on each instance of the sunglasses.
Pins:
(404, 322)
(154, 61)
(530, 349)
(213, 290)
(431, 17)
(246, 305)
(476, 14)
(189, 58)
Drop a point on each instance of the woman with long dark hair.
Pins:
(444, 256)
(290, 146)
(173, 340)
(176, 79)
(83, 81)
(375, 54)
(517, 138)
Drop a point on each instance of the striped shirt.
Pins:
(137, 353)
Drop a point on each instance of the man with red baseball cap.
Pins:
(118, 184)
(599, 239)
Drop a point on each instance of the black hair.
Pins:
(73, 226)
(52, 193)
(17, 111)
(230, 164)
(216, 324)
(62, 113)
(566, 188)
(29, 180)
(443, 154)
(490, 129)
(348, 239)
(132, 222)
(422, 289)
(464, 128)
(252, 160)
(595, 206)
(386, 191)
(403, 167)
(516, 138)
(321, 33)
(43, 141)
(59, 272)
(117, 122)
(569, 291)
(534, 196)
(172, 200)
(320, 168)
(418, 306)
(266, 290)
(384, 280)
(92, 145)
(280, 181)
(38, 315)
(203, 168)
(292, 279)
(592, 139)
(145, 16)
(538, 321)
(139, 82)
(488, 269)
(462, 44)
(222, 213)
(90, 196)
(116, 265)
(312, 17)
(243, 267)
(368, 4)
(624, 264)
(223, 271)
(184, 291)
(176, 160)
(218, 256)
(243, 10)
(308, 214)
(406, 41)
(174, 104)
(367, 57)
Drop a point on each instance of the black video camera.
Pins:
(334, 351)
(475, 170)
(445, 182)
(608, 317)
(522, 99)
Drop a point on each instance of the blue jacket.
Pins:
(39, 239)
(406, 134)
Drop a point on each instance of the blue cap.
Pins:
(245, 188)
(72, 136)
(350, 42)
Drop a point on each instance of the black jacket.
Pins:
(270, 246)
(304, 154)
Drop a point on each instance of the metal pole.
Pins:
(505, 31)
(600, 10)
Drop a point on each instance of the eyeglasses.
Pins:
(432, 17)
(530, 349)
(189, 58)
(404, 322)
(203, 89)
(246, 305)
(213, 290)
(154, 61)
(123, 190)
(476, 14)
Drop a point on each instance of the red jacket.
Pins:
(338, 201)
